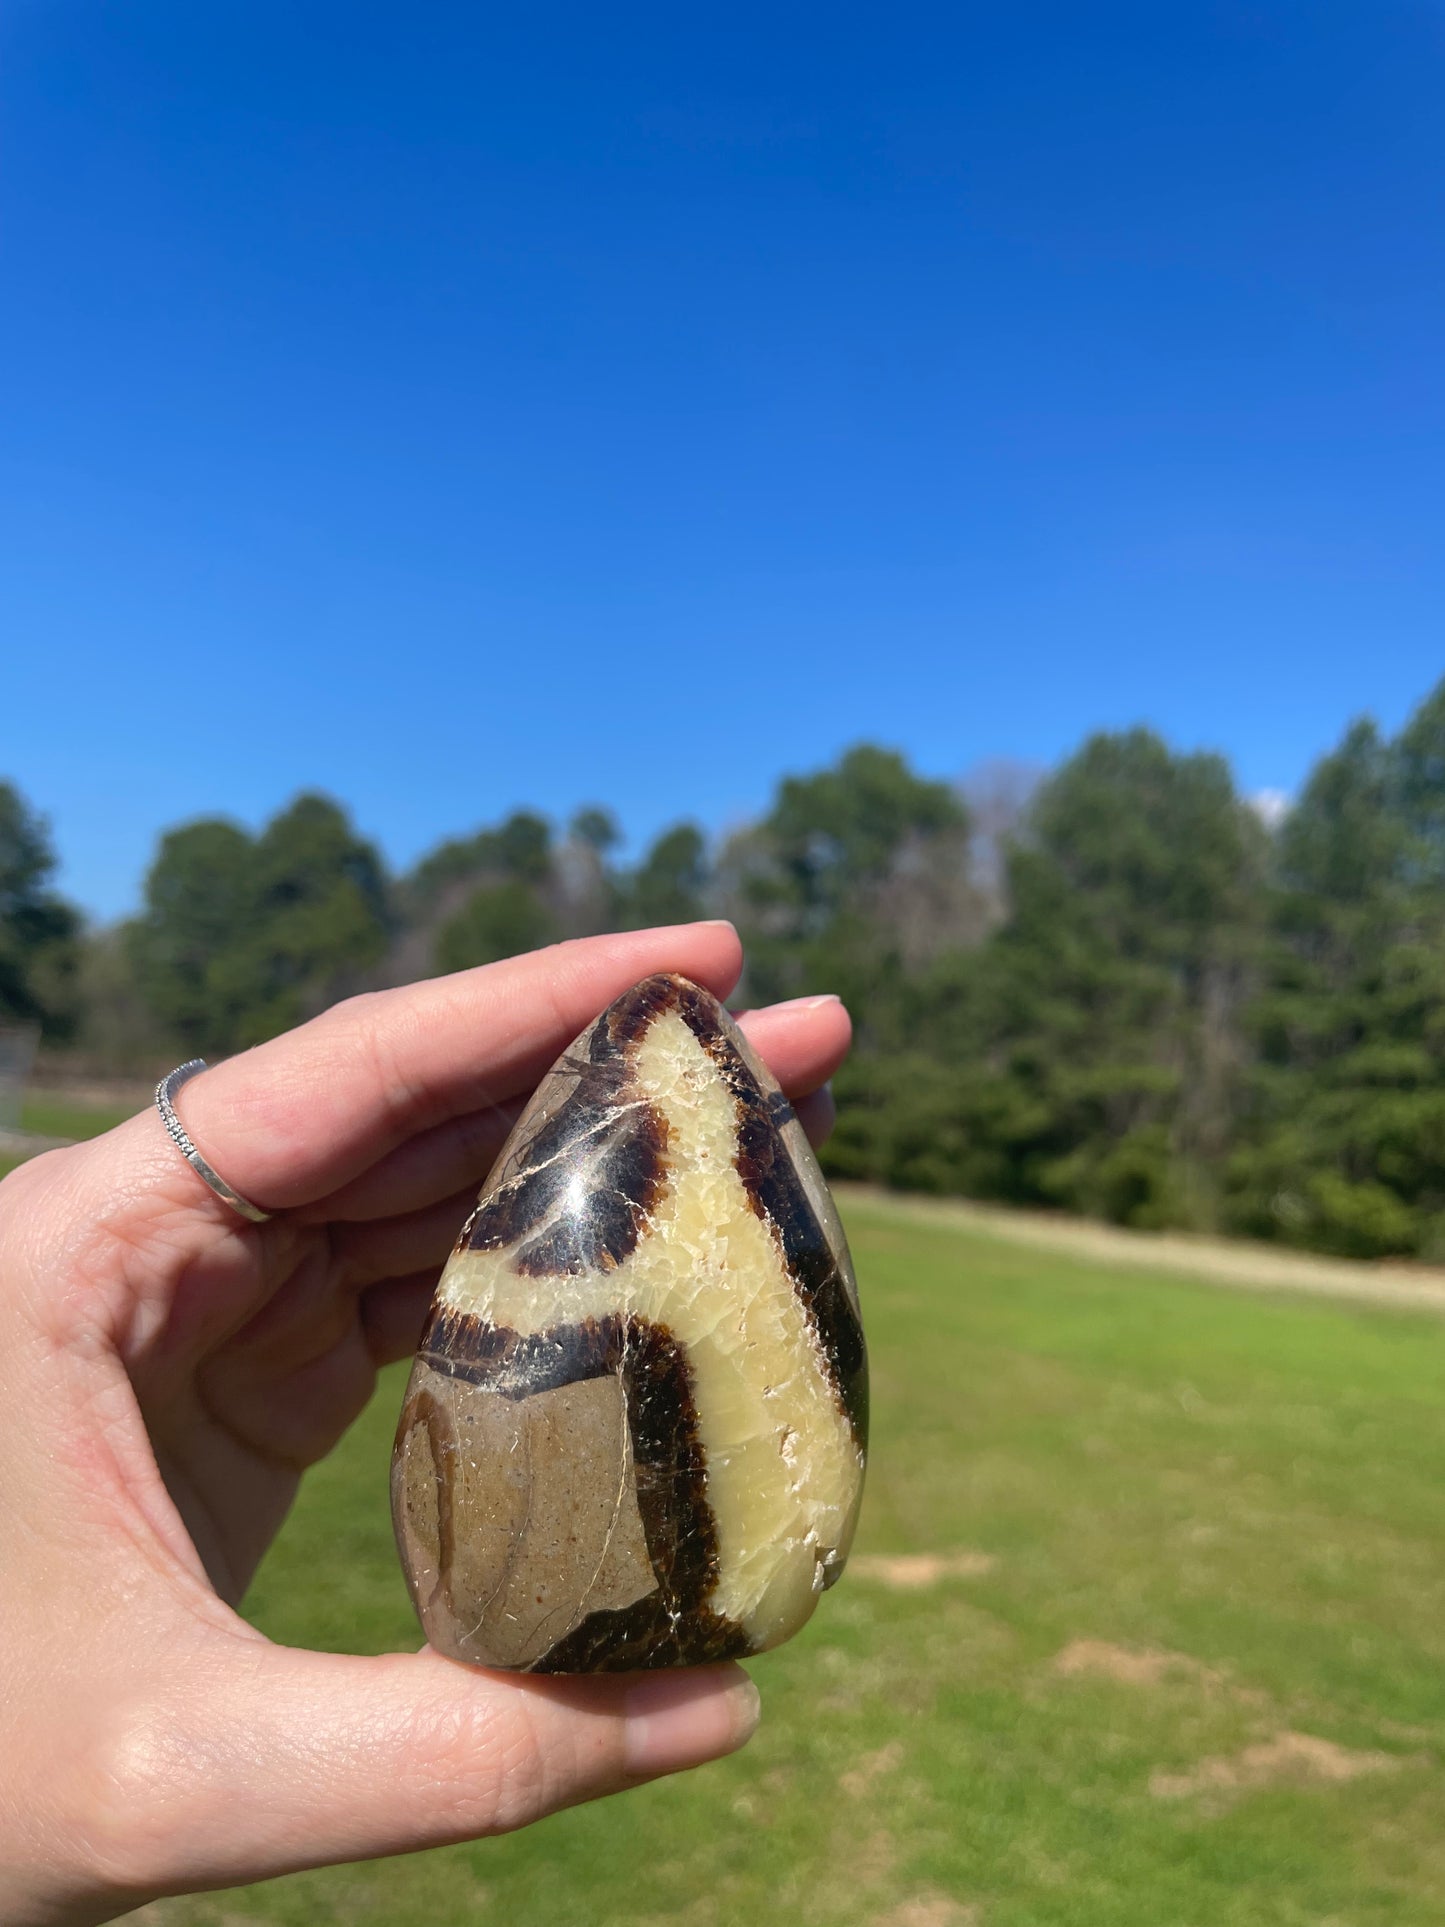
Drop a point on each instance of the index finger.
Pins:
(291, 1120)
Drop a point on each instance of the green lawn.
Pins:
(49, 1115)
(53, 1115)
(1175, 1527)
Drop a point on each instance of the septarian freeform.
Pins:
(634, 1433)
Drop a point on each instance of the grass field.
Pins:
(1146, 1628)
(52, 1116)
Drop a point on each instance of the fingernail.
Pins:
(676, 1720)
(716, 923)
(809, 1003)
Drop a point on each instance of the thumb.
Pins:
(281, 1759)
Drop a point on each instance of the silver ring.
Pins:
(165, 1094)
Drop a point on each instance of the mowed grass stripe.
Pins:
(1237, 1262)
(1146, 1628)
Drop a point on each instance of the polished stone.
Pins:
(635, 1430)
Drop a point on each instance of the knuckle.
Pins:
(136, 1797)
(530, 1783)
(555, 1758)
(456, 1762)
(495, 1765)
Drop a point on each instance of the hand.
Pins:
(168, 1371)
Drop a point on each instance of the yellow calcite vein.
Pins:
(784, 1472)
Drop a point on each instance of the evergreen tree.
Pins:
(596, 828)
(498, 920)
(490, 895)
(1117, 988)
(1343, 1144)
(1123, 996)
(1087, 1055)
(518, 849)
(669, 885)
(241, 938)
(586, 888)
(200, 903)
(826, 885)
(39, 932)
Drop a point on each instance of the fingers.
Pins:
(450, 1157)
(393, 1247)
(393, 1313)
(295, 1119)
(309, 1758)
(816, 1114)
(802, 1043)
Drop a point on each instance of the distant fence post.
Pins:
(18, 1044)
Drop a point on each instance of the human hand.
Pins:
(168, 1371)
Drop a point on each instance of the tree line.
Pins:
(1122, 994)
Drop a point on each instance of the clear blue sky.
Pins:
(456, 406)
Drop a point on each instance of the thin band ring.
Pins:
(165, 1104)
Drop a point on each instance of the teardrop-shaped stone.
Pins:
(634, 1433)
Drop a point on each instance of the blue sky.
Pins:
(457, 407)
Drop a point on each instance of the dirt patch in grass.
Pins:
(1147, 1666)
(928, 1910)
(1131, 1666)
(872, 1766)
(1286, 1759)
(876, 1859)
(917, 1571)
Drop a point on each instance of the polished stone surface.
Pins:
(634, 1433)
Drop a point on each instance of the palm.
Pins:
(239, 1399)
(269, 1342)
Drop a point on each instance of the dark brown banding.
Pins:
(704, 1017)
(627, 1179)
(670, 1463)
(642, 1637)
(465, 1346)
(776, 1193)
(628, 1021)
(674, 1625)
(592, 1175)
(461, 1343)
